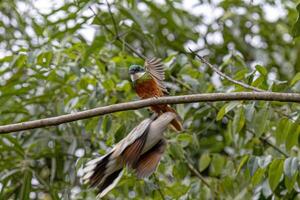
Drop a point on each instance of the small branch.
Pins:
(244, 85)
(207, 97)
(198, 174)
(113, 19)
(195, 171)
(266, 141)
(273, 146)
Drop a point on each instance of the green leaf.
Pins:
(20, 60)
(238, 120)
(44, 59)
(228, 134)
(262, 70)
(226, 108)
(282, 131)
(252, 165)
(290, 166)
(258, 176)
(250, 110)
(289, 182)
(106, 124)
(180, 170)
(185, 139)
(204, 161)
(296, 27)
(295, 79)
(258, 81)
(292, 136)
(26, 185)
(261, 120)
(242, 163)
(217, 164)
(275, 173)
(176, 151)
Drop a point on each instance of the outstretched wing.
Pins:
(136, 133)
(155, 67)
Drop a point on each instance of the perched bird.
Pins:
(148, 83)
(140, 150)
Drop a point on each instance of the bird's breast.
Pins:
(147, 89)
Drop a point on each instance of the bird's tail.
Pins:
(103, 173)
(177, 122)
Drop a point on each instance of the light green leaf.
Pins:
(261, 120)
(242, 163)
(217, 164)
(262, 70)
(292, 136)
(226, 108)
(44, 59)
(185, 139)
(19, 61)
(204, 161)
(258, 176)
(289, 182)
(275, 173)
(295, 79)
(282, 131)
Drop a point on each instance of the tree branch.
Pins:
(207, 97)
(244, 85)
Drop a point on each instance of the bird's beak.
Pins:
(136, 76)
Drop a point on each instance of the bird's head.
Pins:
(136, 71)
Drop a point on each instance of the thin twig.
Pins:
(244, 85)
(266, 141)
(195, 171)
(198, 174)
(113, 19)
(204, 97)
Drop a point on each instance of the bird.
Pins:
(141, 151)
(148, 83)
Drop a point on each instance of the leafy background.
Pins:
(62, 60)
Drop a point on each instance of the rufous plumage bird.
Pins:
(148, 83)
(140, 150)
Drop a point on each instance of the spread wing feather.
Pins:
(155, 67)
(137, 132)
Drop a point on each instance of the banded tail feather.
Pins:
(141, 151)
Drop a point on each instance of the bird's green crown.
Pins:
(133, 69)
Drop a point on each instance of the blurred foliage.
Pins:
(55, 58)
